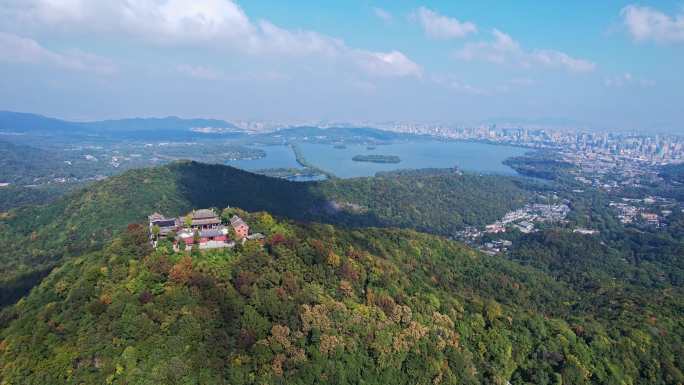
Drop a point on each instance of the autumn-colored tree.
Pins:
(277, 239)
(321, 250)
(290, 282)
(158, 264)
(244, 281)
(349, 272)
(181, 271)
(136, 237)
(346, 288)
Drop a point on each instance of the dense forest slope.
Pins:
(17, 196)
(438, 201)
(319, 304)
(35, 239)
(21, 164)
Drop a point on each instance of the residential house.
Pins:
(650, 218)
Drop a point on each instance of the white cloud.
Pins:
(442, 27)
(165, 21)
(500, 50)
(504, 49)
(215, 24)
(561, 60)
(645, 23)
(388, 64)
(18, 49)
(383, 14)
(273, 39)
(627, 79)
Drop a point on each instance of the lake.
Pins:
(468, 156)
(277, 156)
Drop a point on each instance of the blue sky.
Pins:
(608, 64)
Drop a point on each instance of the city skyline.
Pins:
(608, 66)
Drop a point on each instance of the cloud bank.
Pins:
(16, 49)
(214, 24)
(648, 24)
(504, 49)
(442, 27)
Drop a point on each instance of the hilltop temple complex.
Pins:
(203, 228)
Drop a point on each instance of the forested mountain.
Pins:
(322, 303)
(34, 239)
(435, 201)
(18, 196)
(20, 164)
(17, 123)
(24, 123)
(169, 128)
(172, 128)
(151, 124)
(319, 304)
(38, 176)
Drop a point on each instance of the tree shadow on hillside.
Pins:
(205, 185)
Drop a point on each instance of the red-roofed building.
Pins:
(240, 227)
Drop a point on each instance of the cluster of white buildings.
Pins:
(650, 210)
(523, 219)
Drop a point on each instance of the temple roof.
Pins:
(205, 221)
(167, 222)
(237, 221)
(203, 214)
(156, 217)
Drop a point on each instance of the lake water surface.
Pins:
(278, 156)
(468, 156)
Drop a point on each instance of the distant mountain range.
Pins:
(169, 128)
(17, 123)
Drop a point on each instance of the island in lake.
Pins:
(377, 158)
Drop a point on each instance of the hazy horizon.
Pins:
(608, 66)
